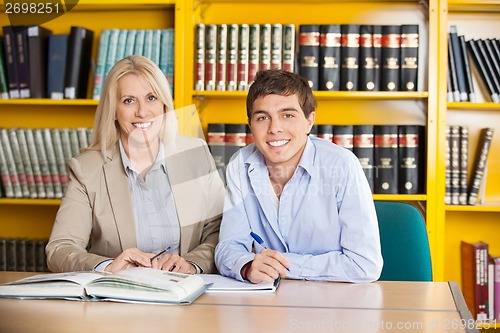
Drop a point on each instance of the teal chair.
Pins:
(405, 246)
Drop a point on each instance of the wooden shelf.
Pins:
(30, 202)
(474, 106)
(474, 6)
(323, 95)
(48, 102)
(489, 207)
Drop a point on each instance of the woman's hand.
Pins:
(173, 263)
(129, 258)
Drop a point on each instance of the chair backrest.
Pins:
(405, 246)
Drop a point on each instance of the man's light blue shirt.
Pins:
(324, 222)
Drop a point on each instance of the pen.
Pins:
(159, 254)
(259, 240)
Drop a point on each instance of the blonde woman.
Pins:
(139, 188)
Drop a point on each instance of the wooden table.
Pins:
(297, 306)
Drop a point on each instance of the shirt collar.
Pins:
(127, 165)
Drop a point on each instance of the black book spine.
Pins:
(343, 136)
(329, 55)
(56, 65)
(489, 65)
(468, 71)
(38, 39)
(386, 159)
(325, 132)
(253, 51)
(391, 57)
(9, 44)
(455, 93)
(349, 69)
(495, 61)
(216, 142)
(309, 37)
(78, 62)
(234, 140)
(480, 63)
(410, 159)
(3, 254)
(409, 57)
(363, 147)
(459, 63)
(479, 166)
(377, 51)
(367, 60)
(23, 70)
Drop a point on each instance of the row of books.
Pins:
(347, 57)
(33, 162)
(23, 255)
(460, 188)
(35, 63)
(485, 56)
(481, 281)
(392, 156)
(40, 64)
(115, 44)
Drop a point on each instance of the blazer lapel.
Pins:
(120, 199)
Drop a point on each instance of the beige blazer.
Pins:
(95, 221)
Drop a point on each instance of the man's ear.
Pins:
(310, 121)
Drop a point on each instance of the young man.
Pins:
(306, 199)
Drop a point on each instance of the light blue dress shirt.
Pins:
(324, 222)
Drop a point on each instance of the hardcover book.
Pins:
(4, 85)
(409, 57)
(253, 51)
(221, 58)
(78, 62)
(232, 57)
(483, 69)
(467, 69)
(391, 58)
(210, 56)
(243, 40)
(325, 132)
(329, 57)
(479, 166)
(464, 164)
(100, 71)
(56, 66)
(23, 66)
(368, 65)
(265, 47)
(199, 62)
(452, 70)
(349, 53)
(385, 159)
(474, 257)
(276, 46)
(343, 136)
(288, 47)
(309, 39)
(455, 163)
(411, 161)
(459, 63)
(235, 139)
(216, 133)
(136, 284)
(9, 44)
(38, 41)
(363, 148)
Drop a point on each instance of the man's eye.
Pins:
(288, 115)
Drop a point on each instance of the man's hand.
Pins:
(266, 266)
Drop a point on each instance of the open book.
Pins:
(223, 283)
(130, 285)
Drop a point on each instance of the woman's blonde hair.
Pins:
(105, 133)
